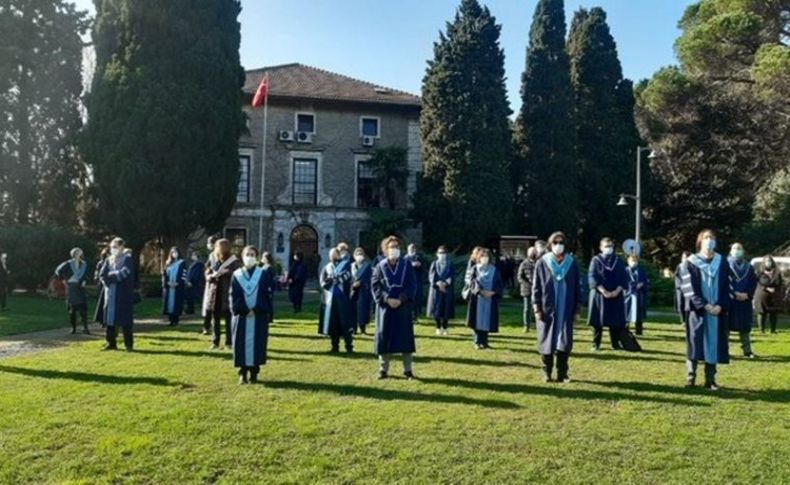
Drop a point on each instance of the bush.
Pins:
(35, 251)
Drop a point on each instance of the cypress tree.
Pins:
(165, 115)
(606, 131)
(544, 166)
(465, 131)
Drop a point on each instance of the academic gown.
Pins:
(557, 293)
(361, 297)
(98, 315)
(636, 299)
(196, 277)
(483, 313)
(250, 297)
(441, 305)
(173, 298)
(75, 275)
(680, 302)
(297, 273)
(609, 272)
(707, 281)
(394, 326)
(418, 276)
(117, 276)
(335, 280)
(742, 280)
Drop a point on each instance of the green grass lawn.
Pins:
(172, 412)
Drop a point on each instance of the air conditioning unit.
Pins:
(368, 141)
(286, 135)
(304, 137)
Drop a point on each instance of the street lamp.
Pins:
(638, 197)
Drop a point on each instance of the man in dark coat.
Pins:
(118, 279)
(608, 280)
(743, 282)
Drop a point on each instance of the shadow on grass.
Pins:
(769, 395)
(207, 353)
(622, 355)
(388, 395)
(559, 390)
(91, 377)
(417, 358)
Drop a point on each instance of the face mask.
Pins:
(633, 264)
(393, 253)
(608, 250)
(769, 264)
(558, 249)
(195, 257)
(412, 252)
(174, 255)
(484, 261)
(115, 251)
(709, 244)
(540, 250)
(441, 257)
(737, 253)
(359, 258)
(209, 247)
(250, 261)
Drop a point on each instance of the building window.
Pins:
(305, 181)
(305, 122)
(369, 126)
(367, 191)
(237, 237)
(243, 194)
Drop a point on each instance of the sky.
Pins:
(388, 42)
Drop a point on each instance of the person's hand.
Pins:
(770, 290)
(357, 284)
(83, 283)
(708, 308)
(488, 294)
(393, 303)
(539, 316)
(639, 286)
(717, 309)
(189, 285)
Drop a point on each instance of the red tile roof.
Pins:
(301, 81)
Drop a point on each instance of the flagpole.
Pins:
(263, 170)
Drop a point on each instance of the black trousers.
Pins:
(112, 336)
(173, 318)
(441, 323)
(82, 310)
(217, 328)
(770, 317)
(252, 370)
(207, 321)
(562, 364)
(3, 296)
(337, 330)
(614, 336)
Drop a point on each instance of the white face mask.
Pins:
(441, 257)
(484, 261)
(210, 246)
(359, 258)
(709, 244)
(633, 264)
(608, 250)
(250, 261)
(540, 250)
(558, 249)
(115, 251)
(174, 255)
(393, 253)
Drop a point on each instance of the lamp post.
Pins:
(638, 197)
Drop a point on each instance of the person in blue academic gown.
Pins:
(338, 320)
(297, 278)
(394, 288)
(250, 296)
(267, 262)
(98, 315)
(174, 276)
(556, 297)
(117, 277)
(441, 297)
(608, 280)
(195, 282)
(361, 297)
(743, 282)
(74, 273)
(706, 288)
(636, 294)
(486, 287)
(680, 302)
(417, 264)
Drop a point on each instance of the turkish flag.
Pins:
(262, 93)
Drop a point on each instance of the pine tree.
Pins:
(545, 167)
(606, 131)
(165, 116)
(466, 133)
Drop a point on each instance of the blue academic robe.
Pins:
(336, 279)
(74, 275)
(419, 271)
(483, 313)
(609, 272)
(441, 305)
(636, 298)
(557, 294)
(361, 296)
(173, 298)
(394, 326)
(706, 282)
(742, 280)
(196, 277)
(297, 273)
(117, 276)
(250, 297)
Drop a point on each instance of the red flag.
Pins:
(262, 93)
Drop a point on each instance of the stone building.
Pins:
(314, 187)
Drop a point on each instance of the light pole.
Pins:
(638, 197)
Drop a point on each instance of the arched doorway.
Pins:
(304, 239)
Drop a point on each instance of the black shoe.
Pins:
(130, 349)
(214, 347)
(546, 377)
(254, 379)
(409, 375)
(690, 382)
(243, 380)
(334, 350)
(74, 330)
(86, 331)
(349, 350)
(563, 379)
(382, 375)
(712, 386)
(108, 347)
